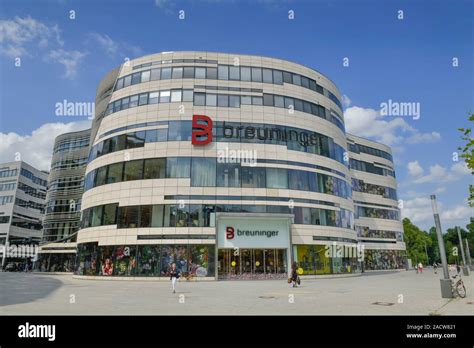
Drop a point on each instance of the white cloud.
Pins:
(113, 47)
(346, 101)
(16, 35)
(370, 123)
(420, 212)
(70, 60)
(36, 148)
(457, 213)
(414, 168)
(436, 173)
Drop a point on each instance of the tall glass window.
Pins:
(223, 72)
(253, 177)
(154, 168)
(133, 170)
(228, 174)
(245, 74)
(277, 178)
(203, 172)
(178, 167)
(115, 173)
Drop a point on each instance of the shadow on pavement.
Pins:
(18, 288)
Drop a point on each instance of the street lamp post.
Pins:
(465, 269)
(446, 288)
(469, 262)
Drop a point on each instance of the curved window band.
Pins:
(208, 172)
(203, 215)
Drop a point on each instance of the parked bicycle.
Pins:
(458, 286)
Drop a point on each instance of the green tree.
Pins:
(468, 155)
(416, 240)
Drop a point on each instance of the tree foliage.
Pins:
(468, 155)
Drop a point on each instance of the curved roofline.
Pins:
(239, 54)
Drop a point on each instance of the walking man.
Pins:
(174, 276)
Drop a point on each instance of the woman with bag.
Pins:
(174, 276)
(294, 275)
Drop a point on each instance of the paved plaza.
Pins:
(46, 294)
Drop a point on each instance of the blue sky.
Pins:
(405, 60)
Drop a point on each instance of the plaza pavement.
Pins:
(46, 294)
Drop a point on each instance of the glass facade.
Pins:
(150, 260)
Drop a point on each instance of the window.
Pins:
(125, 103)
(277, 77)
(188, 72)
(153, 98)
(196, 218)
(187, 95)
(133, 170)
(223, 100)
(96, 215)
(178, 167)
(253, 177)
(234, 73)
(256, 74)
(128, 217)
(101, 176)
(179, 130)
(304, 82)
(228, 174)
(234, 101)
(135, 139)
(268, 99)
(211, 99)
(115, 173)
(177, 73)
(119, 84)
(246, 100)
(297, 79)
(287, 78)
(245, 74)
(199, 99)
(143, 99)
(298, 105)
(145, 215)
(257, 101)
(203, 172)
(136, 78)
(223, 72)
(200, 73)
(165, 96)
(312, 85)
(279, 101)
(110, 211)
(154, 168)
(157, 216)
(127, 80)
(277, 178)
(155, 74)
(211, 73)
(133, 101)
(176, 95)
(145, 76)
(298, 180)
(165, 73)
(289, 103)
(267, 76)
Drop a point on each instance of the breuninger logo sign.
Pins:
(230, 233)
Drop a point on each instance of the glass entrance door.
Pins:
(252, 264)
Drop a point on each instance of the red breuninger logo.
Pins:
(200, 130)
(229, 232)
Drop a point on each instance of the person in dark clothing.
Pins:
(294, 275)
(174, 276)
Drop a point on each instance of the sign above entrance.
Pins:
(245, 232)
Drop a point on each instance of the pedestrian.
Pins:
(435, 268)
(420, 267)
(174, 276)
(458, 268)
(294, 275)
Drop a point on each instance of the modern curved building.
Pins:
(231, 166)
(63, 201)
